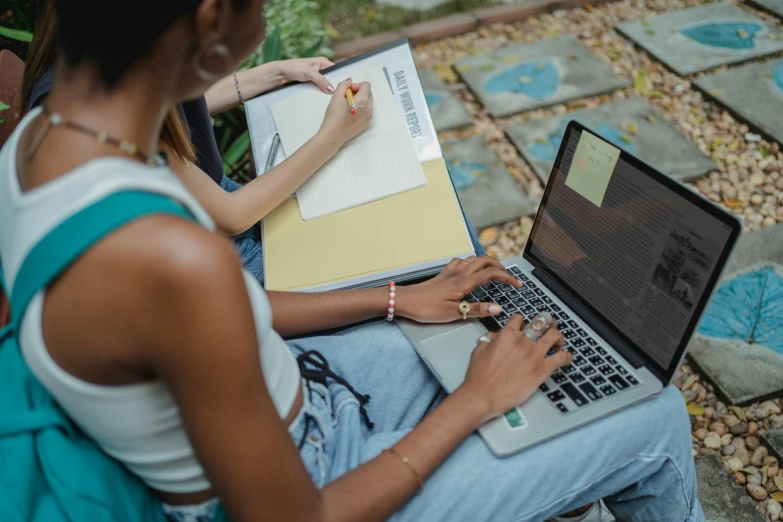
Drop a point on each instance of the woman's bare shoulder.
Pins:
(134, 293)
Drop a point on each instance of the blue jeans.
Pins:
(639, 460)
(252, 254)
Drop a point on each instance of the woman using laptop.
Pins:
(189, 140)
(270, 438)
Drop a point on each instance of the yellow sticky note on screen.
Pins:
(592, 167)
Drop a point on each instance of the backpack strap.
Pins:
(71, 238)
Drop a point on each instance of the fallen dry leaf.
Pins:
(694, 410)
(739, 413)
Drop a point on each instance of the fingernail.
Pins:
(495, 309)
(330, 89)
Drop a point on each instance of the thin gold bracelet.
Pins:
(405, 460)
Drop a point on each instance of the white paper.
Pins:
(379, 163)
(399, 66)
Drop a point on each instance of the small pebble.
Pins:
(734, 464)
(756, 491)
(743, 455)
(751, 443)
(712, 440)
(740, 428)
(759, 454)
(719, 428)
(769, 408)
(774, 508)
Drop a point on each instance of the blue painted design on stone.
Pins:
(432, 98)
(465, 173)
(736, 36)
(548, 151)
(777, 75)
(538, 80)
(748, 308)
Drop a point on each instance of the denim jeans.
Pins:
(639, 459)
(250, 250)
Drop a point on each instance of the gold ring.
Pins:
(464, 308)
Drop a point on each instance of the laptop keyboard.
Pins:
(592, 375)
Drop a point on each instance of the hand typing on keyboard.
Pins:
(438, 300)
(507, 371)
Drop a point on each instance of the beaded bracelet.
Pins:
(392, 295)
(239, 91)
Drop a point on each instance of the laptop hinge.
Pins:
(593, 322)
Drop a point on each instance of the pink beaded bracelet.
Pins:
(392, 295)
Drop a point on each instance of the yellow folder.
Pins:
(404, 231)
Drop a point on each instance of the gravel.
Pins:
(748, 181)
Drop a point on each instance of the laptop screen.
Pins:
(637, 249)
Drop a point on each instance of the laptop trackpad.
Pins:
(449, 354)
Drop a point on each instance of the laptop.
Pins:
(624, 259)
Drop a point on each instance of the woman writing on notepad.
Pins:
(188, 138)
(162, 349)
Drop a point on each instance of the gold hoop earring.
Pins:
(216, 49)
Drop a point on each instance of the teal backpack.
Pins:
(49, 470)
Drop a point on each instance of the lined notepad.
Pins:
(379, 163)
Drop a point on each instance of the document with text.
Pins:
(379, 163)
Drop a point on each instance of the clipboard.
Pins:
(423, 228)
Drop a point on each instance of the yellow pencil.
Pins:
(351, 104)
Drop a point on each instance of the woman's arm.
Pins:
(436, 301)
(223, 95)
(246, 450)
(235, 212)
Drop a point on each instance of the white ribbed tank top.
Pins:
(139, 424)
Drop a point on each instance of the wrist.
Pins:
(261, 79)
(470, 404)
(331, 140)
(402, 302)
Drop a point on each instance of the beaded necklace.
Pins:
(56, 120)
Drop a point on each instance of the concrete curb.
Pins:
(456, 24)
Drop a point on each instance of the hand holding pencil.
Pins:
(350, 111)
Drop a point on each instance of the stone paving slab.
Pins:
(447, 111)
(773, 440)
(754, 92)
(721, 497)
(413, 5)
(704, 37)
(487, 192)
(741, 372)
(773, 6)
(656, 141)
(528, 76)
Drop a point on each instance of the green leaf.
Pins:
(236, 151)
(2, 120)
(3, 106)
(312, 50)
(16, 34)
(272, 48)
(226, 135)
